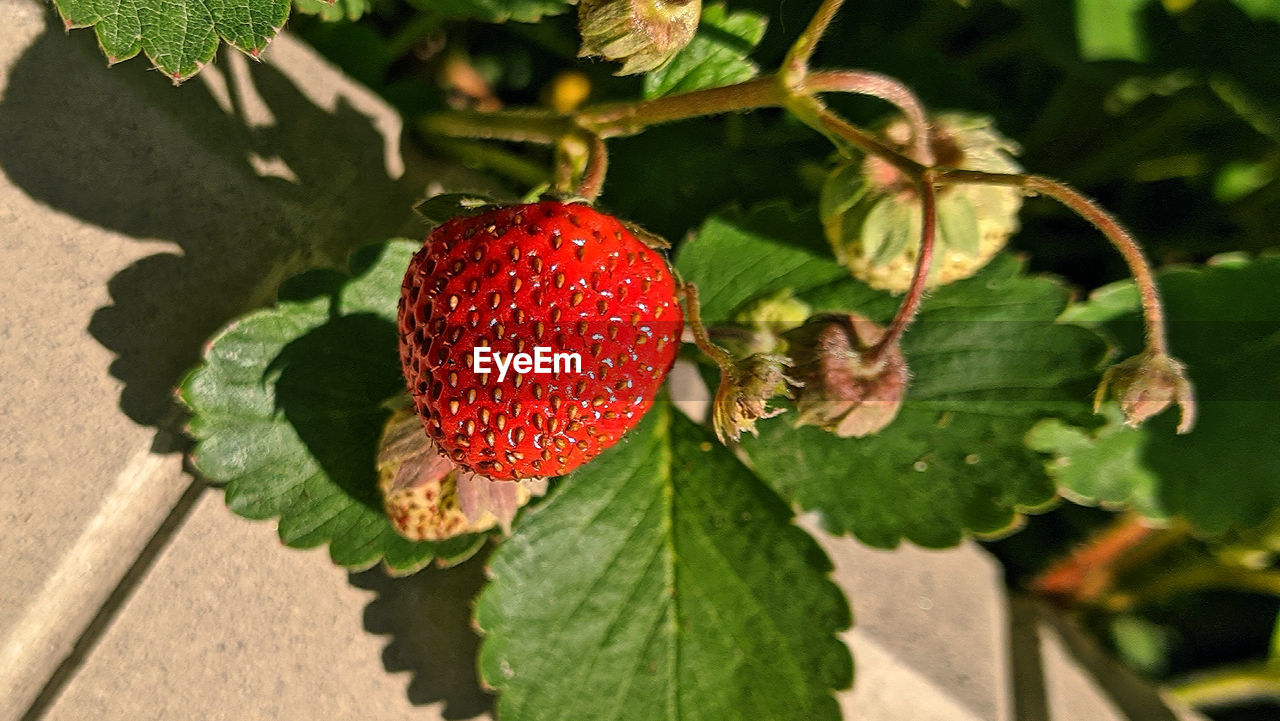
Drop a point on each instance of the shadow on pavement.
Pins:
(124, 150)
(428, 617)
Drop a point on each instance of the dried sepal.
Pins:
(744, 394)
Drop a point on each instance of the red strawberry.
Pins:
(561, 276)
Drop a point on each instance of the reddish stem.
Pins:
(915, 292)
(1121, 238)
(592, 180)
(1090, 570)
(885, 88)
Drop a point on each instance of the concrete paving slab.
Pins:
(135, 219)
(229, 624)
(937, 618)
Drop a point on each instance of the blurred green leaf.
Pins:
(1142, 644)
(1260, 9)
(494, 11)
(663, 581)
(335, 10)
(1110, 29)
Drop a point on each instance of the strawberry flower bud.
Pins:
(644, 34)
(744, 394)
(843, 390)
(1145, 385)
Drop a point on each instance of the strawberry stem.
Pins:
(1120, 237)
(796, 65)
(814, 113)
(628, 118)
(915, 293)
(592, 181)
(888, 89)
(693, 318)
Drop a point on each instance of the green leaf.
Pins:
(1260, 9)
(1110, 29)
(334, 10)
(716, 56)
(287, 412)
(988, 361)
(787, 251)
(178, 36)
(1102, 466)
(1224, 323)
(663, 581)
(494, 11)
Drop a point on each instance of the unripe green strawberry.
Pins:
(871, 212)
(428, 498)
(562, 277)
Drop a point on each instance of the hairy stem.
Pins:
(1121, 238)
(818, 116)
(592, 180)
(693, 318)
(614, 120)
(570, 160)
(622, 119)
(915, 292)
(885, 88)
(796, 64)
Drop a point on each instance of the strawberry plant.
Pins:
(839, 286)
